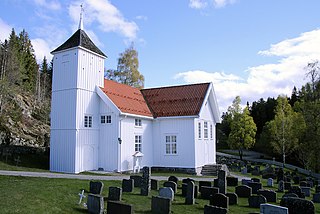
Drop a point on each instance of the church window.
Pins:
(199, 130)
(137, 122)
(105, 119)
(87, 121)
(211, 131)
(137, 143)
(171, 144)
(205, 130)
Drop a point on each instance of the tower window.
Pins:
(137, 122)
(105, 119)
(87, 121)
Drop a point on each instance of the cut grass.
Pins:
(45, 195)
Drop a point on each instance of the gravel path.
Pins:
(92, 177)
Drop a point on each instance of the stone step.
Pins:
(211, 169)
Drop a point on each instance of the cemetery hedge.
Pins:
(48, 195)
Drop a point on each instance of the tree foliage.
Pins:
(127, 71)
(286, 128)
(243, 128)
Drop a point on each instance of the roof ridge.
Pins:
(176, 86)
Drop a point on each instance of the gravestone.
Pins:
(297, 190)
(127, 185)
(114, 194)
(245, 181)
(166, 192)
(243, 191)
(204, 183)
(219, 200)
(244, 170)
(160, 205)
(255, 201)
(303, 184)
(206, 192)
(280, 175)
(257, 180)
(145, 181)
(296, 179)
(174, 179)
(137, 180)
(208, 209)
(287, 185)
(118, 207)
(190, 193)
(270, 195)
(306, 191)
(184, 189)
(232, 181)
(96, 187)
(298, 205)
(233, 198)
(270, 182)
(95, 204)
(255, 187)
(316, 198)
(317, 188)
(292, 195)
(215, 182)
(186, 180)
(154, 184)
(272, 209)
(222, 181)
(280, 186)
(171, 184)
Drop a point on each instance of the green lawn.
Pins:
(45, 195)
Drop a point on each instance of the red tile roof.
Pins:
(126, 98)
(185, 100)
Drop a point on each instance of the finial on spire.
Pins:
(81, 21)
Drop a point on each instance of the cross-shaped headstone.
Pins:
(81, 195)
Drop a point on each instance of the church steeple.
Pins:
(81, 19)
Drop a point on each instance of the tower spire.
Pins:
(81, 19)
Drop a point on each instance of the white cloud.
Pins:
(51, 5)
(267, 80)
(201, 4)
(106, 15)
(41, 48)
(198, 4)
(5, 30)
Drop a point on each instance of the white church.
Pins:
(98, 124)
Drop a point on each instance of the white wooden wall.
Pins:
(183, 129)
(76, 73)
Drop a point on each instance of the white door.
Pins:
(88, 158)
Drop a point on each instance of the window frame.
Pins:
(88, 121)
(137, 122)
(211, 131)
(138, 143)
(205, 130)
(105, 119)
(171, 145)
(199, 130)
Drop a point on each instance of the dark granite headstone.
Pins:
(257, 180)
(298, 205)
(204, 183)
(208, 209)
(219, 200)
(232, 181)
(95, 204)
(174, 179)
(190, 193)
(255, 187)
(270, 195)
(280, 186)
(287, 185)
(255, 201)
(317, 188)
(114, 207)
(160, 205)
(145, 181)
(233, 198)
(245, 181)
(215, 182)
(186, 180)
(96, 187)
(127, 185)
(207, 192)
(297, 190)
(184, 189)
(316, 198)
(137, 180)
(171, 184)
(306, 191)
(243, 191)
(296, 179)
(292, 195)
(115, 194)
(303, 183)
(222, 181)
(154, 184)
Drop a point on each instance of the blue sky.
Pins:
(251, 48)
